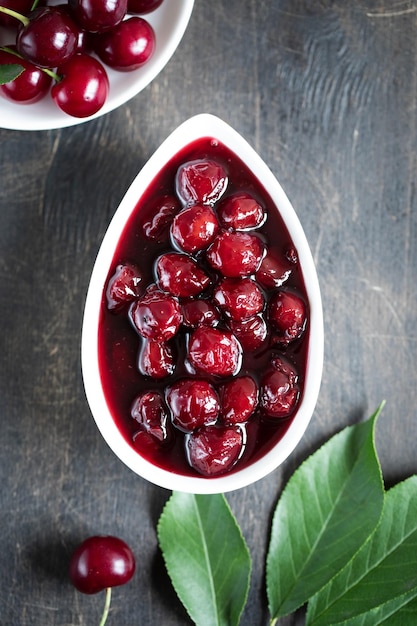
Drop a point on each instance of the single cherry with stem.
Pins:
(100, 563)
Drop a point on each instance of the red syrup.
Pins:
(145, 238)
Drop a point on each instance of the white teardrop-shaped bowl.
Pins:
(197, 127)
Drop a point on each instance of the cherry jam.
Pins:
(230, 305)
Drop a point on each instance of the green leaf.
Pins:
(382, 577)
(329, 507)
(206, 557)
(10, 71)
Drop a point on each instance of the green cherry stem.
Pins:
(50, 73)
(22, 18)
(106, 607)
(34, 5)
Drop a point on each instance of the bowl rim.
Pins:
(169, 20)
(197, 127)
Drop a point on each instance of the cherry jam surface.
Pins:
(119, 342)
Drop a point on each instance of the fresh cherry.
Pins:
(127, 46)
(214, 352)
(30, 86)
(194, 228)
(193, 403)
(142, 6)
(201, 181)
(83, 88)
(100, 563)
(213, 450)
(97, 16)
(235, 254)
(48, 38)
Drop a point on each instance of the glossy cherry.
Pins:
(235, 254)
(150, 411)
(156, 359)
(214, 352)
(214, 450)
(193, 403)
(238, 400)
(101, 562)
(197, 313)
(97, 16)
(279, 391)
(156, 315)
(180, 275)
(201, 181)
(142, 6)
(30, 86)
(127, 46)
(156, 227)
(83, 88)
(194, 228)
(239, 298)
(287, 315)
(124, 286)
(49, 38)
(241, 211)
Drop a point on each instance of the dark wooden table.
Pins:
(326, 92)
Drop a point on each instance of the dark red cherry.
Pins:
(19, 6)
(150, 411)
(212, 450)
(287, 315)
(201, 182)
(156, 315)
(127, 46)
(197, 313)
(235, 254)
(194, 228)
(251, 332)
(30, 86)
(157, 226)
(83, 88)
(239, 298)
(193, 403)
(124, 286)
(97, 16)
(273, 271)
(156, 359)
(238, 400)
(101, 562)
(180, 275)
(214, 352)
(241, 212)
(142, 6)
(279, 390)
(49, 39)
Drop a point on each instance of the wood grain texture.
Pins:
(325, 91)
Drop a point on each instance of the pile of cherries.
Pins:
(214, 311)
(63, 49)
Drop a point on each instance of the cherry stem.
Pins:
(22, 18)
(106, 607)
(34, 5)
(50, 73)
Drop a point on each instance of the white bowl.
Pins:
(201, 126)
(169, 21)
